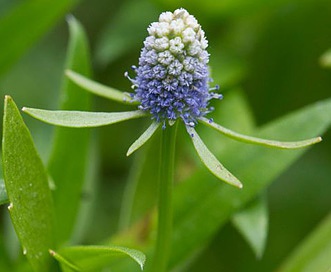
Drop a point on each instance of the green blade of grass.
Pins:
(31, 206)
(25, 24)
(314, 253)
(93, 258)
(70, 174)
(252, 224)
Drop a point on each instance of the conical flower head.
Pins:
(172, 77)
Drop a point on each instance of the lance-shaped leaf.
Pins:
(258, 141)
(69, 174)
(252, 223)
(92, 258)
(82, 119)
(143, 138)
(3, 193)
(314, 253)
(99, 89)
(31, 206)
(210, 161)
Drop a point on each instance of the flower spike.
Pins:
(172, 77)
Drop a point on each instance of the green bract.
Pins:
(94, 119)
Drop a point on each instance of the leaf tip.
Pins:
(129, 152)
(52, 252)
(7, 97)
(70, 18)
(67, 72)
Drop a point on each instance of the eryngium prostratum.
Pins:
(172, 77)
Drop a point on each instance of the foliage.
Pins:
(73, 195)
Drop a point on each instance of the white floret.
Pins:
(166, 17)
(153, 28)
(190, 21)
(194, 48)
(175, 68)
(161, 44)
(176, 45)
(188, 35)
(204, 43)
(181, 13)
(163, 29)
(165, 58)
(177, 26)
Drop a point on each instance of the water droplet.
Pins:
(25, 251)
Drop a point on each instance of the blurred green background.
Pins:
(270, 49)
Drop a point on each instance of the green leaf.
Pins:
(210, 161)
(99, 89)
(69, 159)
(3, 193)
(202, 206)
(31, 206)
(252, 223)
(25, 24)
(143, 138)
(82, 119)
(253, 140)
(66, 265)
(314, 253)
(91, 258)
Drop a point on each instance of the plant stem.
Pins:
(166, 179)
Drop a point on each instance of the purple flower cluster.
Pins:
(172, 77)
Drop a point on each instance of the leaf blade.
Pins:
(252, 224)
(99, 89)
(95, 257)
(210, 161)
(71, 144)
(82, 119)
(143, 138)
(254, 140)
(31, 207)
(313, 254)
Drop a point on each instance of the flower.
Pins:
(172, 76)
(171, 83)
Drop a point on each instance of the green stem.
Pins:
(164, 229)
